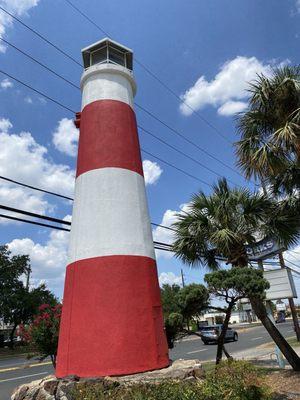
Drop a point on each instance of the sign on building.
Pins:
(281, 284)
(263, 249)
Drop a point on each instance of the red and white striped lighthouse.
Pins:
(112, 320)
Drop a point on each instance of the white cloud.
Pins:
(5, 125)
(48, 261)
(6, 83)
(232, 107)
(152, 172)
(23, 159)
(65, 137)
(169, 278)
(164, 235)
(226, 90)
(16, 7)
(28, 100)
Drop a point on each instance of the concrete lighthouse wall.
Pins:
(112, 319)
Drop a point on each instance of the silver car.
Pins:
(210, 334)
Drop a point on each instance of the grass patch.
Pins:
(234, 380)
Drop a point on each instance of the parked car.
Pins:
(210, 334)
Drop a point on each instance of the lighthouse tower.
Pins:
(112, 320)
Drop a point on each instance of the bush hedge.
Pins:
(233, 380)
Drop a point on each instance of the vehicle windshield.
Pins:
(209, 328)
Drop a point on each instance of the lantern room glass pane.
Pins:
(99, 56)
(116, 56)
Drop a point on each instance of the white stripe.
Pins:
(107, 82)
(257, 338)
(196, 351)
(110, 215)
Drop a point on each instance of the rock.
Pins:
(65, 389)
(51, 388)
(20, 392)
(178, 370)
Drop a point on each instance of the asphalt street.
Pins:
(15, 371)
(249, 337)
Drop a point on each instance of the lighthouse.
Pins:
(112, 321)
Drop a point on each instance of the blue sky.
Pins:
(204, 50)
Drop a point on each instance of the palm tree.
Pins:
(270, 128)
(218, 226)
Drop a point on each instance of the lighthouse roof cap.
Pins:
(107, 40)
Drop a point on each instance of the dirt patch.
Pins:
(286, 384)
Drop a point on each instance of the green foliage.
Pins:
(169, 299)
(230, 381)
(223, 222)
(181, 305)
(237, 283)
(18, 303)
(192, 300)
(42, 334)
(235, 380)
(270, 129)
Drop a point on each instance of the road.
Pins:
(251, 337)
(15, 371)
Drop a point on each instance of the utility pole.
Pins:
(27, 278)
(291, 303)
(182, 278)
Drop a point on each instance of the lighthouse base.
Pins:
(112, 321)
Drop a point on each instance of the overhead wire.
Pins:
(74, 112)
(84, 15)
(143, 129)
(40, 36)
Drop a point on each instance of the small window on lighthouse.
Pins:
(116, 56)
(107, 51)
(99, 56)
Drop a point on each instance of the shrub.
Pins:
(42, 334)
(170, 390)
(235, 380)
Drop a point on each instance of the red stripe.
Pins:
(108, 137)
(112, 320)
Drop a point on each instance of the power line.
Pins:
(58, 195)
(183, 153)
(152, 74)
(40, 63)
(37, 91)
(74, 112)
(178, 169)
(31, 214)
(157, 245)
(144, 110)
(176, 132)
(40, 36)
(33, 222)
(35, 188)
(143, 129)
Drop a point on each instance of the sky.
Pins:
(203, 51)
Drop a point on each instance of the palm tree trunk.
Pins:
(221, 338)
(289, 353)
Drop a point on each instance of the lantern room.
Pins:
(107, 51)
